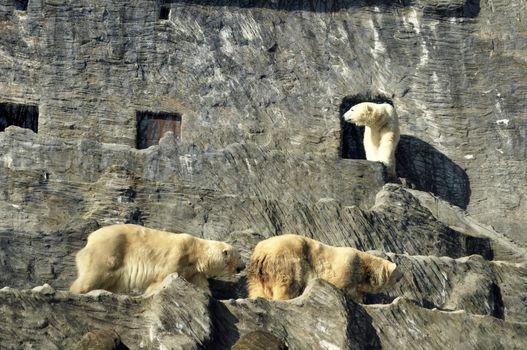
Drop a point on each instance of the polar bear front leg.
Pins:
(282, 292)
(256, 290)
(152, 289)
(386, 152)
(370, 149)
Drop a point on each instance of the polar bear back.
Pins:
(123, 258)
(137, 256)
(281, 266)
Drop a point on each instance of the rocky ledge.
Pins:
(182, 317)
(258, 90)
(458, 274)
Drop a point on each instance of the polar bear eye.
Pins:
(225, 252)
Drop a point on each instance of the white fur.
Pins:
(124, 258)
(381, 132)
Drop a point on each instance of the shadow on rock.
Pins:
(431, 171)
(460, 9)
(259, 340)
(102, 339)
(453, 8)
(323, 317)
(228, 288)
(360, 329)
(225, 330)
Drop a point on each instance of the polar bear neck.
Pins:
(346, 263)
(379, 117)
(207, 257)
(328, 261)
(375, 122)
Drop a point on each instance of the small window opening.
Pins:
(151, 126)
(24, 116)
(21, 5)
(164, 11)
(351, 143)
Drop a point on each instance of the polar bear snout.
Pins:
(240, 267)
(348, 116)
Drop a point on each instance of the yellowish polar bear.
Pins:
(281, 267)
(125, 258)
(381, 133)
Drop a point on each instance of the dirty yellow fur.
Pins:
(125, 258)
(281, 267)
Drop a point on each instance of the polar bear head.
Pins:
(373, 115)
(221, 259)
(377, 274)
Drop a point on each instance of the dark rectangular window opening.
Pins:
(164, 11)
(151, 126)
(21, 5)
(24, 116)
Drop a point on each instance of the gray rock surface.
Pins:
(261, 87)
(176, 318)
(403, 325)
(277, 72)
(259, 340)
(51, 320)
(102, 339)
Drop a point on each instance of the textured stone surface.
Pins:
(290, 320)
(466, 283)
(47, 319)
(261, 87)
(259, 340)
(403, 325)
(103, 339)
(276, 73)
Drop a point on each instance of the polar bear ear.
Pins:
(369, 108)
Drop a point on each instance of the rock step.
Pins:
(182, 317)
(471, 283)
(404, 325)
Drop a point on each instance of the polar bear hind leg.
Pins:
(96, 272)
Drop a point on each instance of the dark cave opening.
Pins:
(24, 116)
(351, 146)
(151, 126)
(164, 12)
(163, 9)
(21, 5)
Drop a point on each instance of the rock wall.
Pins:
(275, 73)
(261, 87)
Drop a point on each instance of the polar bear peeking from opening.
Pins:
(381, 133)
(126, 258)
(281, 267)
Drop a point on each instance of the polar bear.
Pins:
(126, 258)
(281, 267)
(381, 133)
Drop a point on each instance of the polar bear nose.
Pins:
(240, 267)
(348, 116)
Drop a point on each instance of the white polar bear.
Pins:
(124, 258)
(381, 133)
